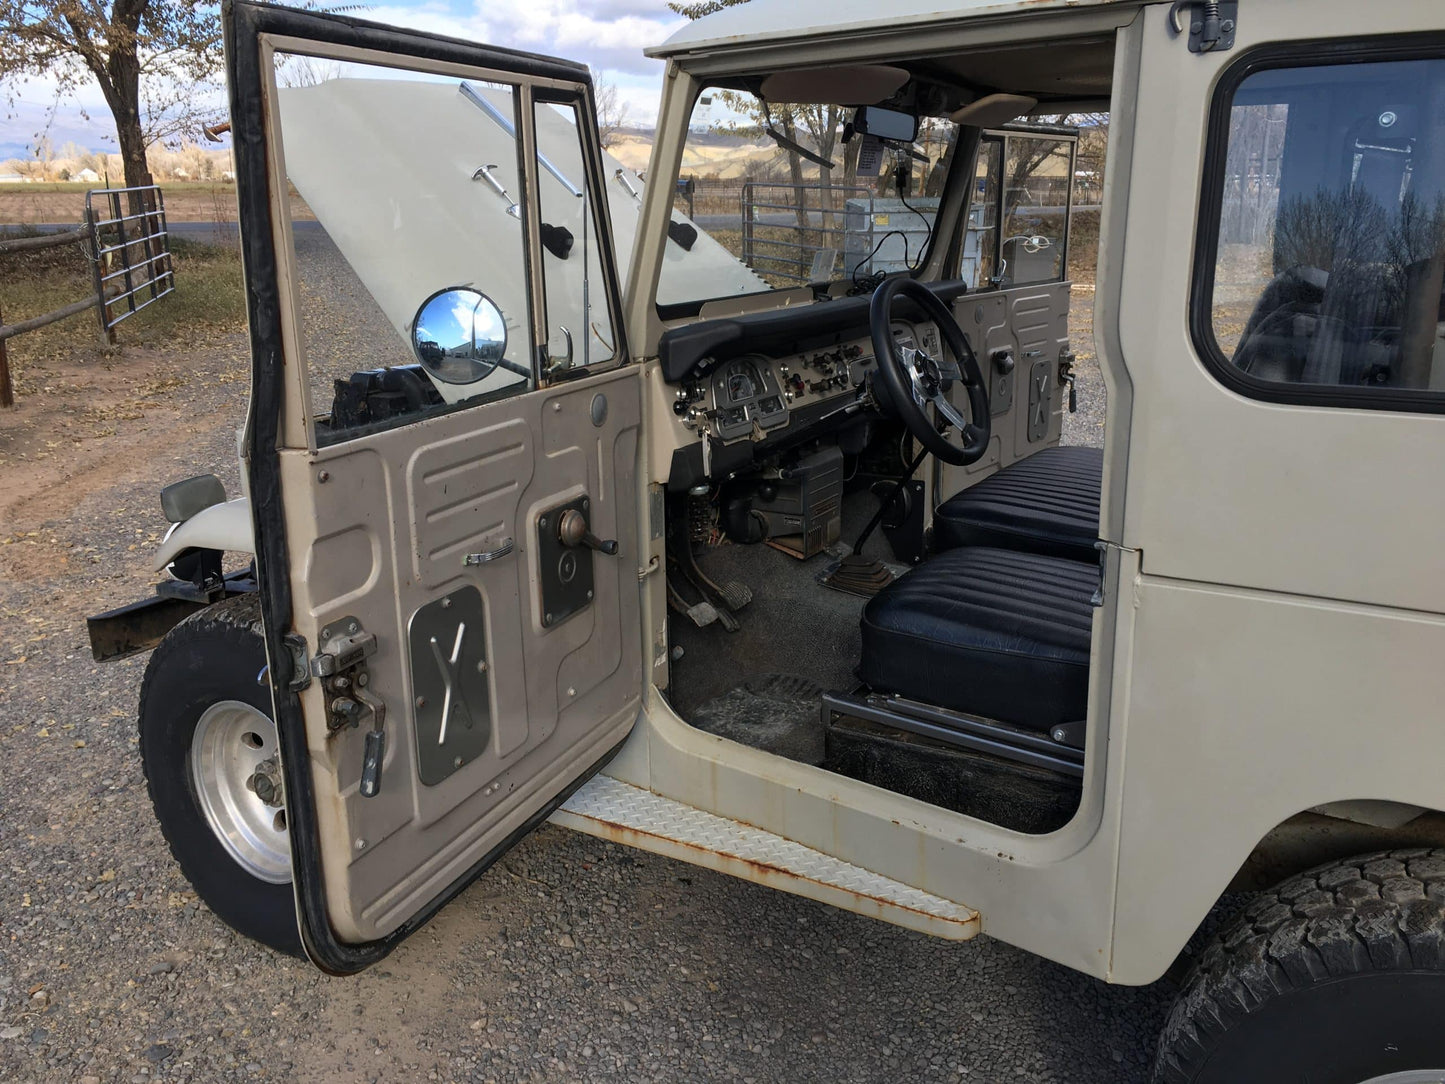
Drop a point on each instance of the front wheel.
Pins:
(1335, 977)
(210, 752)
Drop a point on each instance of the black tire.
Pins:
(214, 655)
(1335, 977)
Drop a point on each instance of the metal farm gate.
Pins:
(131, 250)
(128, 247)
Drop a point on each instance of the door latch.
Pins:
(1067, 376)
(340, 666)
(1098, 596)
(1212, 23)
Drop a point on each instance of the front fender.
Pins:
(224, 526)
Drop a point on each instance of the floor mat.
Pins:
(777, 713)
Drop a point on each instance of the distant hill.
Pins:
(711, 153)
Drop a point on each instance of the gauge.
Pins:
(742, 383)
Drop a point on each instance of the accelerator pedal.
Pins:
(610, 809)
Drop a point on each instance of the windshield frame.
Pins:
(683, 103)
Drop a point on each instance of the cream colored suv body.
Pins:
(1265, 685)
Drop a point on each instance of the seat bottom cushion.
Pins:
(989, 632)
(1047, 503)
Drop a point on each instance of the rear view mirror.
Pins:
(889, 124)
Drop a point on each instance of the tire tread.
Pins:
(1378, 912)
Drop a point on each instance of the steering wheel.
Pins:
(913, 378)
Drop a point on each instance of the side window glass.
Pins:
(579, 327)
(1329, 257)
(980, 241)
(409, 253)
(1037, 174)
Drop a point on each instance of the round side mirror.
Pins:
(459, 335)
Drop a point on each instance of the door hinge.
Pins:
(1212, 23)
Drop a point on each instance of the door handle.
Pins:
(488, 556)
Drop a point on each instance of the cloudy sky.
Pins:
(607, 34)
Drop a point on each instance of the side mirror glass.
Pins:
(889, 124)
(459, 335)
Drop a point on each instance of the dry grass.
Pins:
(209, 299)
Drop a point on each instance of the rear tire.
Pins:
(205, 726)
(1335, 977)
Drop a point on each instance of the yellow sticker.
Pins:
(880, 220)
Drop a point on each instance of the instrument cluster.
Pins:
(749, 396)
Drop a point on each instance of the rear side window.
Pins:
(1322, 262)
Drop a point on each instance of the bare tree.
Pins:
(704, 7)
(295, 70)
(145, 55)
(611, 109)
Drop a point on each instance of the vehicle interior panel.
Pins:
(778, 332)
(811, 425)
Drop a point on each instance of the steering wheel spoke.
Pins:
(950, 413)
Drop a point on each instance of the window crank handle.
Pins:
(573, 531)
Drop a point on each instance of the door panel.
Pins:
(1017, 318)
(1031, 325)
(465, 483)
(409, 462)
(1300, 498)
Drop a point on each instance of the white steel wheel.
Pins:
(234, 749)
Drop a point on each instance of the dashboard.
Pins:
(750, 386)
(750, 397)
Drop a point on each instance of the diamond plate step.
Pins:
(618, 811)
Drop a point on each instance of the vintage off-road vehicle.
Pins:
(555, 507)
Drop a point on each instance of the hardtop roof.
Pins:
(779, 20)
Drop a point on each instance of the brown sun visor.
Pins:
(992, 110)
(862, 84)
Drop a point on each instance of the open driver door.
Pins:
(442, 454)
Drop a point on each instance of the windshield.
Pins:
(797, 197)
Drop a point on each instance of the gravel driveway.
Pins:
(570, 960)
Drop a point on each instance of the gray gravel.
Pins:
(1086, 425)
(570, 960)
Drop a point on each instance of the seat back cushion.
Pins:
(1047, 503)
